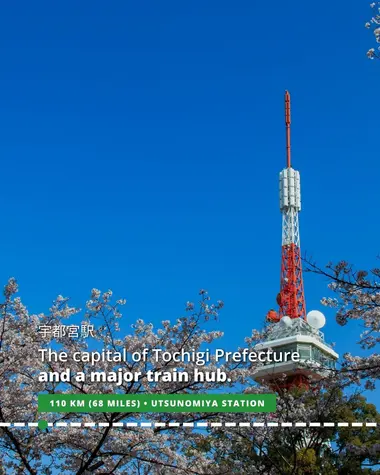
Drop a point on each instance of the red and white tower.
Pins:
(291, 298)
(293, 330)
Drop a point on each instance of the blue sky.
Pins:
(140, 146)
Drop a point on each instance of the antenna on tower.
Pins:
(287, 123)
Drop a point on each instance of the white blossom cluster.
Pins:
(374, 26)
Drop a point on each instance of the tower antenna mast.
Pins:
(287, 123)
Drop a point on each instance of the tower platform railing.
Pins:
(298, 327)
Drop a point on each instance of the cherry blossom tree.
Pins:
(356, 297)
(158, 450)
(96, 449)
(374, 25)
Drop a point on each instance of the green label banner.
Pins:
(157, 403)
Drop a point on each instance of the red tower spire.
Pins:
(291, 298)
(287, 124)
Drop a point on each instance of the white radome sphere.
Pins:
(286, 321)
(316, 319)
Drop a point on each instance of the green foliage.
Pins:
(298, 451)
